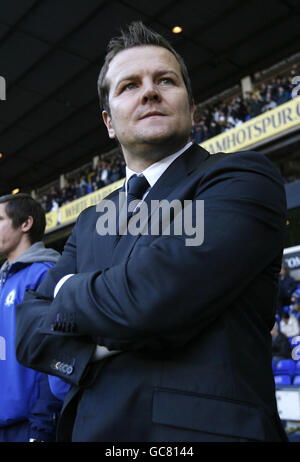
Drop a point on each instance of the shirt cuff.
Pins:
(60, 283)
(102, 352)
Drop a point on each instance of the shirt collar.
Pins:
(154, 172)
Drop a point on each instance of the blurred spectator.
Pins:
(115, 174)
(214, 129)
(263, 91)
(289, 325)
(256, 105)
(282, 96)
(105, 174)
(63, 197)
(269, 103)
(77, 189)
(83, 186)
(46, 203)
(281, 348)
(97, 183)
(198, 133)
(54, 205)
(287, 285)
(70, 191)
(295, 302)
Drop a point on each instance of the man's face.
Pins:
(148, 100)
(10, 237)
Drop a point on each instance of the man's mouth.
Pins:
(152, 114)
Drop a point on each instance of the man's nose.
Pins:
(150, 93)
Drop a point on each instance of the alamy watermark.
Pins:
(296, 81)
(2, 89)
(166, 218)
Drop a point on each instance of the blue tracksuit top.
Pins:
(24, 393)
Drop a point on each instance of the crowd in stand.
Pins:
(288, 316)
(222, 116)
(87, 181)
(209, 121)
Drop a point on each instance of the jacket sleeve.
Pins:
(65, 357)
(46, 409)
(168, 292)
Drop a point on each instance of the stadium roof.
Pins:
(51, 52)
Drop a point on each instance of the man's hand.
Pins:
(101, 352)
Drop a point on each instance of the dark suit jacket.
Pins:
(193, 323)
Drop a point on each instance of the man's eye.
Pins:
(166, 80)
(129, 86)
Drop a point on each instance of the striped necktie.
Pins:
(136, 188)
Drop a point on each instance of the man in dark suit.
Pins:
(160, 337)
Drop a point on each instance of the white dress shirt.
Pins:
(154, 172)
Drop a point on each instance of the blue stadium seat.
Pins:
(297, 368)
(296, 380)
(285, 366)
(282, 380)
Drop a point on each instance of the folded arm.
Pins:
(164, 294)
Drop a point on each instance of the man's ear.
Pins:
(107, 120)
(27, 225)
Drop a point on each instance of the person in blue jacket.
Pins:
(28, 409)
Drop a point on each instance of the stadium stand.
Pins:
(222, 116)
(84, 181)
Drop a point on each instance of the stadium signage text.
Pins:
(293, 261)
(257, 129)
(69, 212)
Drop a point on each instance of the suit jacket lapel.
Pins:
(104, 245)
(183, 166)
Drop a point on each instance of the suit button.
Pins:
(64, 368)
(57, 365)
(60, 366)
(69, 370)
